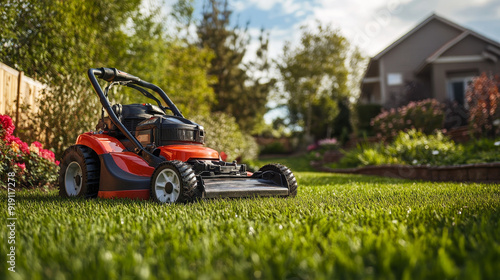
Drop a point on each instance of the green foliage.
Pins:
(416, 148)
(224, 135)
(273, 149)
(338, 227)
(365, 113)
(426, 115)
(62, 37)
(238, 93)
(481, 150)
(315, 77)
(410, 148)
(169, 61)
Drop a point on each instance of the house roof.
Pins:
(453, 42)
(415, 29)
(464, 33)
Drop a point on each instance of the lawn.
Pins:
(338, 226)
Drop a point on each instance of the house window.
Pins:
(457, 88)
(394, 79)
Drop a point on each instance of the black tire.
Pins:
(281, 169)
(174, 181)
(79, 172)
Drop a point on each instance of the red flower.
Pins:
(47, 154)
(7, 126)
(21, 165)
(22, 145)
(37, 144)
(223, 156)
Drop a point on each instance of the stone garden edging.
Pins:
(480, 172)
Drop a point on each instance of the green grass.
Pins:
(339, 226)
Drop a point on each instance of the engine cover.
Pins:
(169, 130)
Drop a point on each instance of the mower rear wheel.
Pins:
(79, 172)
(174, 181)
(283, 170)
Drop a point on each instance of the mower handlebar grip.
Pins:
(113, 74)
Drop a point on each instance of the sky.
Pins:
(372, 25)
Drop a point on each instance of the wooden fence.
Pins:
(17, 92)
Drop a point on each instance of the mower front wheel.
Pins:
(174, 181)
(285, 171)
(79, 172)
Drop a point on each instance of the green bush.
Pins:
(482, 150)
(366, 112)
(426, 116)
(224, 135)
(409, 148)
(274, 148)
(415, 148)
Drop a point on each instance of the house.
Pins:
(436, 59)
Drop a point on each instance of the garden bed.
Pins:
(479, 172)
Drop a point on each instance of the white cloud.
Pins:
(287, 7)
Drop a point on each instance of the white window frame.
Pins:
(465, 81)
(394, 79)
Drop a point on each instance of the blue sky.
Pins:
(370, 24)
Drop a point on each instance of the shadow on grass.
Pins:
(301, 166)
(52, 196)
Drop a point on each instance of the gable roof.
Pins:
(418, 27)
(453, 42)
(465, 32)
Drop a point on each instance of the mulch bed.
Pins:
(480, 172)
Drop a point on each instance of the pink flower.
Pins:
(312, 147)
(47, 154)
(57, 162)
(332, 141)
(22, 145)
(7, 127)
(21, 165)
(37, 144)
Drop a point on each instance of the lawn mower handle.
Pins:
(107, 72)
(113, 74)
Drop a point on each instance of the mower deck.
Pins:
(241, 187)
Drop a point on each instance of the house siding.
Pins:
(442, 71)
(470, 45)
(410, 53)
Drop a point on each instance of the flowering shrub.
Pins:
(317, 150)
(34, 166)
(483, 98)
(324, 144)
(426, 116)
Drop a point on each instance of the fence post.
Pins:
(19, 83)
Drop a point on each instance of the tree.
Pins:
(57, 41)
(170, 60)
(483, 98)
(315, 77)
(238, 93)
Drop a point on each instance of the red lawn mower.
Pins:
(145, 151)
